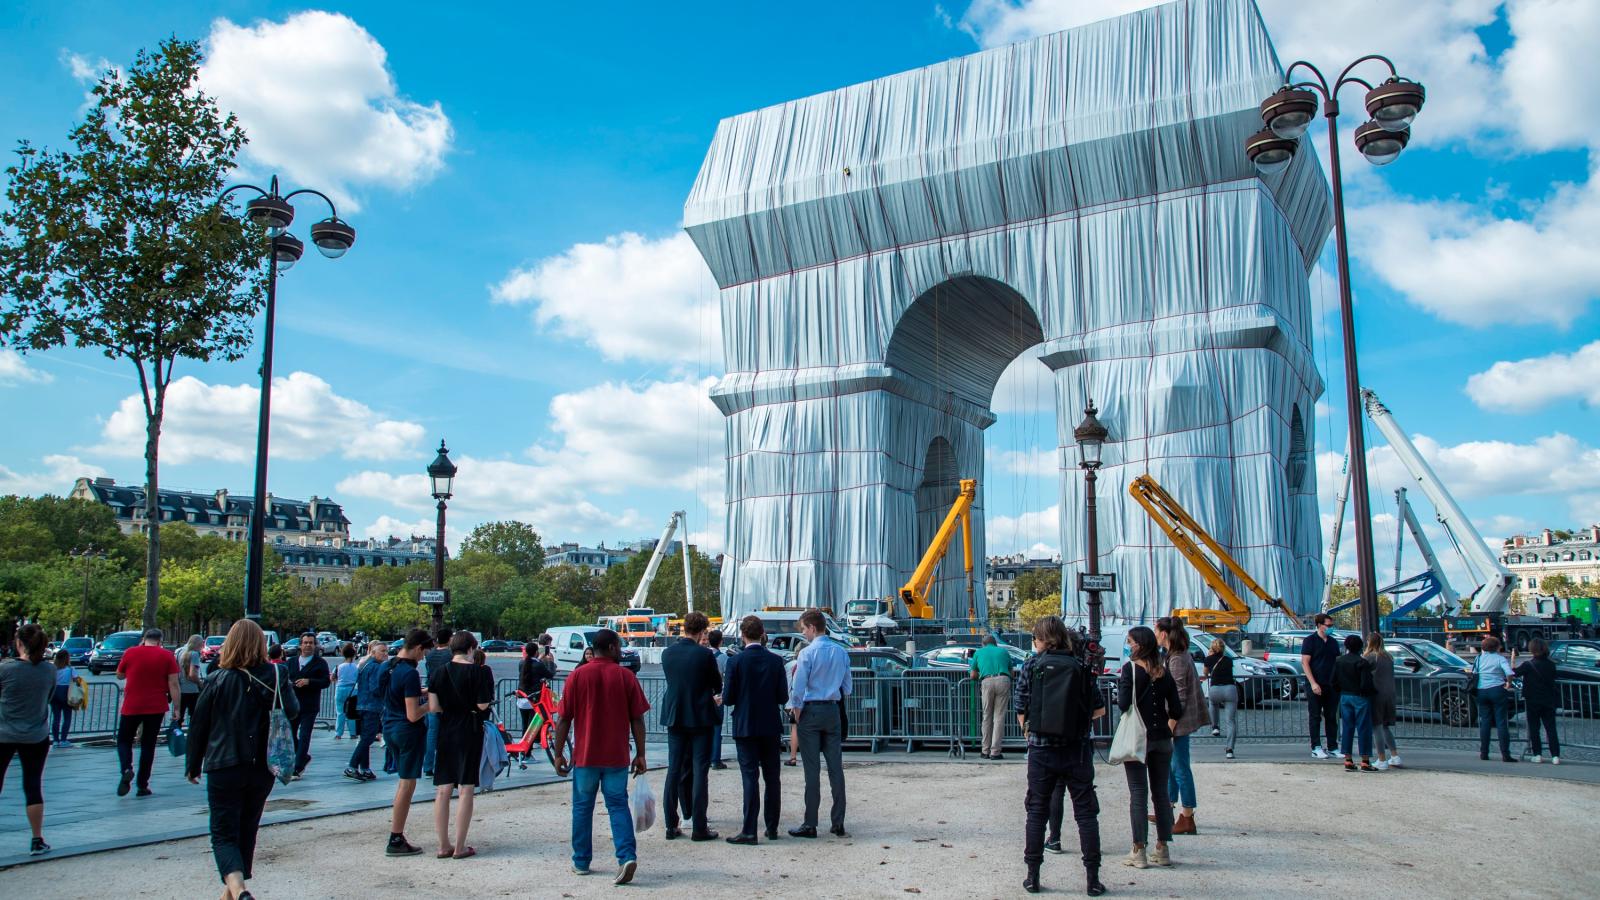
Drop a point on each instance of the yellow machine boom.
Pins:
(915, 592)
(1182, 530)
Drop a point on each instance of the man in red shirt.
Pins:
(602, 704)
(149, 673)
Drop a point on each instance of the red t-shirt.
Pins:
(144, 689)
(602, 699)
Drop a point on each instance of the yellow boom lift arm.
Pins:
(915, 592)
(1182, 530)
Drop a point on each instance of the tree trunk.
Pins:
(152, 512)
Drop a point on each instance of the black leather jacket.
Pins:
(229, 723)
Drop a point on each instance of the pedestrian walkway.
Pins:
(83, 813)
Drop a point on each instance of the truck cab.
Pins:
(869, 614)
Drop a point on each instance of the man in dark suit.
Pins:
(689, 712)
(308, 672)
(757, 690)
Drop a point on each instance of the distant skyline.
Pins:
(521, 286)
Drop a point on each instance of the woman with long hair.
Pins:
(1174, 639)
(461, 693)
(1146, 689)
(345, 678)
(228, 744)
(189, 679)
(60, 709)
(26, 683)
(1540, 692)
(1384, 712)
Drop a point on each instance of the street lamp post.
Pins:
(1090, 436)
(441, 477)
(1287, 114)
(333, 238)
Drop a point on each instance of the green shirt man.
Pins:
(991, 660)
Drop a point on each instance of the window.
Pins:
(1582, 656)
(1514, 558)
(1533, 583)
(1583, 554)
(575, 642)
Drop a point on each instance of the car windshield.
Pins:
(121, 641)
(215, 641)
(76, 643)
(1438, 656)
(860, 607)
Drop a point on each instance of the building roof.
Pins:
(221, 502)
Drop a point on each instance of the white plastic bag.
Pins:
(1129, 744)
(643, 802)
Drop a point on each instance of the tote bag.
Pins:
(1129, 743)
(280, 734)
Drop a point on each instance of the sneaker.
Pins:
(143, 792)
(1380, 765)
(1216, 732)
(66, 745)
(399, 846)
(1536, 758)
(1136, 858)
(354, 775)
(125, 782)
(1394, 761)
(625, 872)
(1319, 753)
(1053, 847)
(1228, 754)
(38, 847)
(368, 775)
(295, 777)
(579, 870)
(1159, 856)
(1555, 760)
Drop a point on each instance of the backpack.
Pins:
(1059, 706)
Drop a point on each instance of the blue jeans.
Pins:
(340, 694)
(1493, 710)
(1180, 784)
(367, 731)
(1356, 714)
(613, 782)
(432, 743)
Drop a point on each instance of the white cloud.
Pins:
(14, 370)
(1555, 464)
(1552, 72)
(57, 477)
(1033, 462)
(320, 105)
(1528, 384)
(1027, 385)
(83, 68)
(1037, 533)
(630, 297)
(218, 422)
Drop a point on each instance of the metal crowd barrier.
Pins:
(101, 715)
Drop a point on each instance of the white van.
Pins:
(567, 643)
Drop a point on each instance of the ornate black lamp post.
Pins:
(1392, 105)
(333, 238)
(1090, 437)
(441, 476)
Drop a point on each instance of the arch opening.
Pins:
(961, 334)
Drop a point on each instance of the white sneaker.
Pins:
(1319, 753)
(1555, 760)
(1394, 762)
(1380, 765)
(1536, 758)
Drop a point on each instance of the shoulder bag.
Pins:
(1129, 744)
(280, 733)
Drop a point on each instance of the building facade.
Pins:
(594, 560)
(1532, 558)
(1000, 582)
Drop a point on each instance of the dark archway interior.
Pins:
(941, 483)
(960, 335)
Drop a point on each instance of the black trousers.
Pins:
(821, 741)
(186, 704)
(32, 757)
(1147, 783)
(1324, 708)
(758, 762)
(237, 795)
(149, 728)
(1052, 772)
(688, 772)
(367, 727)
(302, 732)
(1541, 715)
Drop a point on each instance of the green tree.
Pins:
(32, 528)
(1033, 610)
(119, 244)
(513, 542)
(1037, 583)
(531, 613)
(1347, 589)
(394, 612)
(575, 587)
(1559, 586)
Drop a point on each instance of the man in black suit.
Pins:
(757, 689)
(689, 712)
(308, 672)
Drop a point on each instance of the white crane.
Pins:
(642, 593)
(1338, 526)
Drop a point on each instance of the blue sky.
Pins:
(521, 288)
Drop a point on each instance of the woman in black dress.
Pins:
(460, 693)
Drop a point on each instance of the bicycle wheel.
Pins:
(550, 744)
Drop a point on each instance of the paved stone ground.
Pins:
(929, 826)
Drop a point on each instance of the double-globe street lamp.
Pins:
(441, 479)
(333, 237)
(1090, 437)
(1392, 105)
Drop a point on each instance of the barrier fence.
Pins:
(942, 709)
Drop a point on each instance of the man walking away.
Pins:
(369, 712)
(714, 641)
(404, 707)
(689, 711)
(821, 682)
(150, 687)
(1319, 653)
(435, 661)
(757, 689)
(309, 674)
(991, 668)
(603, 704)
(1056, 701)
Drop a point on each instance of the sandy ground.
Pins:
(938, 829)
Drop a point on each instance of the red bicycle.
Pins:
(541, 730)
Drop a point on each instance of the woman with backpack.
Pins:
(26, 684)
(61, 701)
(228, 743)
(1146, 688)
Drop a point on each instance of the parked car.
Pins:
(787, 646)
(1430, 680)
(569, 641)
(396, 645)
(495, 645)
(515, 646)
(882, 661)
(1258, 681)
(108, 653)
(1579, 662)
(959, 656)
(1282, 651)
(78, 648)
(329, 643)
(212, 648)
(291, 647)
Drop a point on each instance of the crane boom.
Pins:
(1182, 530)
(642, 592)
(915, 592)
(1338, 526)
(1494, 594)
(1452, 601)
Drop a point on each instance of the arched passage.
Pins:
(959, 336)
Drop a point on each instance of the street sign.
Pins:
(1105, 582)
(433, 598)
